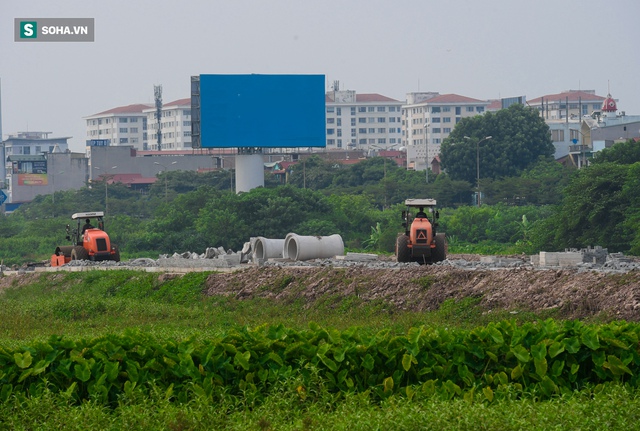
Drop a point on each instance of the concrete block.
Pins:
(358, 257)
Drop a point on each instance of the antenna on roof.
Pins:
(157, 92)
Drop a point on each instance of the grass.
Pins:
(95, 303)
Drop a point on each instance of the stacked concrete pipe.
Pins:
(298, 247)
(266, 248)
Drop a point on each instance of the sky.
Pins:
(481, 49)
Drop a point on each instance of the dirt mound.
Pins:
(575, 295)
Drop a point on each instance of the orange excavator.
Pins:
(420, 242)
(89, 242)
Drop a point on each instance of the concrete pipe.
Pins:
(265, 248)
(297, 247)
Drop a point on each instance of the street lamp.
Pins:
(164, 168)
(478, 162)
(426, 155)
(106, 188)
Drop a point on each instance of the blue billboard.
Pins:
(261, 111)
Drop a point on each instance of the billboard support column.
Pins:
(249, 169)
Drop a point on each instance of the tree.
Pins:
(594, 209)
(624, 153)
(519, 137)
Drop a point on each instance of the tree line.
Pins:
(539, 205)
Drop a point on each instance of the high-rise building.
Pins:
(362, 121)
(428, 118)
(124, 125)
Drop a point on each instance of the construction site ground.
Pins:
(566, 293)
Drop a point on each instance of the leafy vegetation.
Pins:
(146, 352)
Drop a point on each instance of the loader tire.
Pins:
(65, 250)
(403, 253)
(79, 253)
(440, 252)
(116, 255)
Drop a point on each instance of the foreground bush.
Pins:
(545, 359)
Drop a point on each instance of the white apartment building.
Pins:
(124, 125)
(428, 118)
(362, 121)
(175, 126)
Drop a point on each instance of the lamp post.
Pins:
(106, 187)
(164, 168)
(426, 154)
(478, 162)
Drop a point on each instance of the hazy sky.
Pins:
(483, 49)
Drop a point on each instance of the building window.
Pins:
(331, 141)
(381, 120)
(133, 120)
(469, 108)
(446, 120)
(353, 133)
(339, 121)
(382, 130)
(392, 109)
(124, 140)
(330, 131)
(339, 143)
(362, 130)
(362, 109)
(362, 141)
(134, 140)
(446, 109)
(133, 129)
(392, 119)
(372, 130)
(338, 111)
(557, 135)
(353, 110)
(353, 121)
(436, 130)
(480, 109)
(381, 109)
(124, 130)
(339, 132)
(458, 119)
(186, 112)
(331, 109)
(331, 120)
(372, 141)
(435, 120)
(436, 140)
(122, 120)
(458, 110)
(382, 140)
(435, 109)
(371, 109)
(392, 140)
(188, 133)
(371, 120)
(362, 120)
(447, 130)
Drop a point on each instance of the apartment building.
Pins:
(175, 126)
(362, 121)
(428, 118)
(124, 125)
